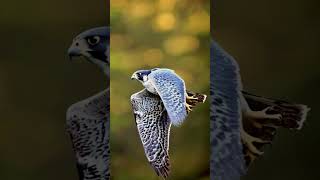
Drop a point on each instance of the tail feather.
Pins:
(293, 117)
(195, 98)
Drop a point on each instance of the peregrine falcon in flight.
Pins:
(88, 121)
(163, 102)
(241, 124)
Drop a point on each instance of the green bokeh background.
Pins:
(162, 33)
(38, 83)
(276, 44)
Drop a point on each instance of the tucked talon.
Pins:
(271, 126)
(250, 157)
(249, 140)
(192, 98)
(189, 107)
(263, 114)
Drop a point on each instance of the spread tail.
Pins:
(275, 114)
(193, 99)
(293, 115)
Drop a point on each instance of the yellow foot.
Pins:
(192, 98)
(263, 114)
(188, 107)
(248, 140)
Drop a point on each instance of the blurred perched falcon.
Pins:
(242, 123)
(164, 100)
(88, 120)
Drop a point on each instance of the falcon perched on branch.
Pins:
(242, 123)
(164, 100)
(88, 120)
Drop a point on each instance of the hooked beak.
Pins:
(134, 76)
(74, 51)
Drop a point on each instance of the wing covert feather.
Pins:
(171, 88)
(154, 128)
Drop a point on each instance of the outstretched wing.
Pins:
(227, 162)
(88, 127)
(172, 90)
(154, 129)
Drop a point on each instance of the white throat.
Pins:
(149, 86)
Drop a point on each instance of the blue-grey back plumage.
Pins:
(227, 161)
(171, 88)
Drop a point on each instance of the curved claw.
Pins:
(189, 108)
(263, 114)
(248, 140)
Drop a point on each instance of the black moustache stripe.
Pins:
(99, 55)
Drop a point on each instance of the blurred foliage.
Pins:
(162, 33)
(276, 44)
(38, 83)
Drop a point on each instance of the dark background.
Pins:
(276, 44)
(38, 83)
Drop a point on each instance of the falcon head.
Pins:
(141, 75)
(93, 44)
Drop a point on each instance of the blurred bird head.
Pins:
(142, 75)
(94, 45)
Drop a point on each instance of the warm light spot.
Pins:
(198, 22)
(179, 45)
(140, 9)
(164, 22)
(152, 57)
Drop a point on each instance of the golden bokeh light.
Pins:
(140, 9)
(181, 44)
(164, 22)
(198, 22)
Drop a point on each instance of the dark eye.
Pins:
(93, 40)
